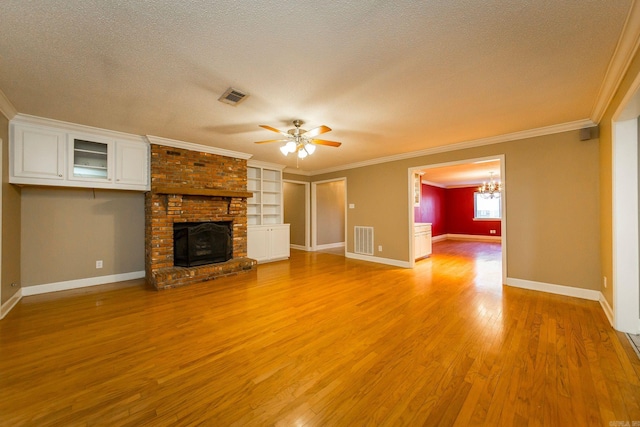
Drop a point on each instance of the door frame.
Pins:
(307, 213)
(503, 221)
(624, 212)
(314, 212)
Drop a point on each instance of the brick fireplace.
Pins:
(191, 186)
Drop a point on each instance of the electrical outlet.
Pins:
(99, 263)
(379, 248)
(492, 231)
(352, 205)
(604, 281)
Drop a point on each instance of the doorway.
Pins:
(462, 178)
(328, 218)
(297, 213)
(625, 213)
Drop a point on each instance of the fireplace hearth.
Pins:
(201, 243)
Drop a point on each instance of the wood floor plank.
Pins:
(319, 340)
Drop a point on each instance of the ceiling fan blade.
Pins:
(316, 131)
(271, 140)
(325, 142)
(272, 129)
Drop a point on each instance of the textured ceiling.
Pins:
(388, 77)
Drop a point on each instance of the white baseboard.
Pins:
(379, 260)
(300, 247)
(80, 283)
(10, 303)
(608, 311)
(329, 246)
(473, 237)
(439, 238)
(569, 291)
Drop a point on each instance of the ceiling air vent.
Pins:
(233, 96)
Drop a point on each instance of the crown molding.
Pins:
(196, 147)
(261, 164)
(433, 184)
(531, 133)
(27, 119)
(297, 171)
(6, 107)
(626, 48)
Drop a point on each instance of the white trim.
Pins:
(329, 246)
(569, 291)
(378, 260)
(314, 213)
(196, 147)
(307, 212)
(625, 233)
(503, 221)
(547, 130)
(433, 184)
(438, 238)
(301, 248)
(261, 164)
(10, 303)
(625, 50)
(6, 107)
(608, 311)
(80, 283)
(474, 237)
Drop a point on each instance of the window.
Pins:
(486, 208)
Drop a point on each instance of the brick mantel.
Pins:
(191, 186)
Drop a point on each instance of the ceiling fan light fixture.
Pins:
(300, 141)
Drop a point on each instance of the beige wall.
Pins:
(65, 230)
(10, 221)
(294, 211)
(606, 185)
(330, 212)
(552, 206)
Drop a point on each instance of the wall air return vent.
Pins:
(233, 96)
(363, 240)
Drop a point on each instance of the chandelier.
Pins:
(491, 189)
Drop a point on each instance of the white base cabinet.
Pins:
(422, 240)
(268, 242)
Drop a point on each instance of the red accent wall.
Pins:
(432, 209)
(451, 211)
(459, 212)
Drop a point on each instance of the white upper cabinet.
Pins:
(90, 158)
(37, 153)
(132, 163)
(46, 152)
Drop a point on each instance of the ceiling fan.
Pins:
(299, 140)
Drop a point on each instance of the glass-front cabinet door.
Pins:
(90, 160)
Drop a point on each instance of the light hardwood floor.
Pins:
(319, 340)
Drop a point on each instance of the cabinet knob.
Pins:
(60, 175)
